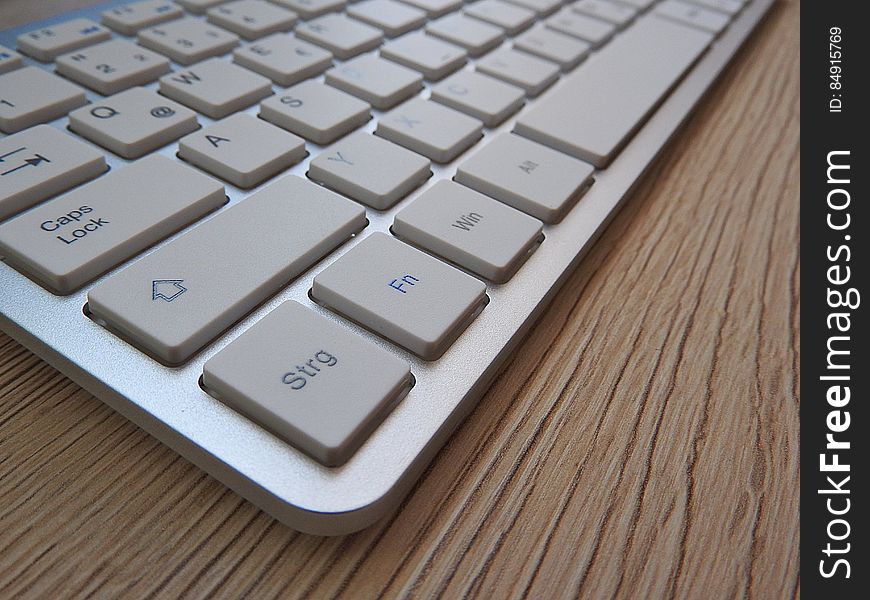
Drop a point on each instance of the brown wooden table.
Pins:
(643, 442)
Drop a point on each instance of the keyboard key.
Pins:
(469, 229)
(297, 374)
(48, 43)
(639, 4)
(215, 87)
(133, 123)
(430, 56)
(130, 18)
(690, 14)
(530, 177)
(475, 36)
(198, 6)
(381, 83)
(541, 7)
(510, 17)
(612, 12)
(479, 96)
(188, 41)
(315, 111)
(619, 89)
(112, 66)
(551, 45)
(532, 74)
(342, 36)
(179, 298)
(74, 238)
(30, 95)
(401, 293)
(729, 7)
(9, 60)
(252, 19)
(430, 129)
(370, 170)
(283, 58)
(393, 18)
(242, 149)
(308, 9)
(435, 8)
(594, 31)
(40, 162)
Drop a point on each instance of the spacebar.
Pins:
(595, 110)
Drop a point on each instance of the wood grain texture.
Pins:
(643, 442)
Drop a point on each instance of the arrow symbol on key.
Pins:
(3, 156)
(167, 289)
(28, 162)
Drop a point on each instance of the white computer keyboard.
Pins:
(294, 239)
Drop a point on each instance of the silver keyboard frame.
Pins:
(169, 404)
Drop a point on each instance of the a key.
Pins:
(215, 87)
(298, 374)
(729, 7)
(532, 74)
(403, 294)
(594, 31)
(342, 36)
(40, 162)
(691, 14)
(198, 6)
(369, 169)
(475, 36)
(541, 7)
(639, 4)
(435, 8)
(619, 89)
(469, 229)
(9, 60)
(179, 298)
(30, 95)
(252, 19)
(130, 18)
(308, 9)
(393, 18)
(133, 123)
(613, 12)
(379, 82)
(242, 149)
(479, 96)
(430, 56)
(430, 129)
(188, 41)
(68, 241)
(316, 112)
(551, 45)
(283, 58)
(530, 177)
(48, 43)
(112, 66)
(509, 17)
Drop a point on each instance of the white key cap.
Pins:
(188, 41)
(619, 89)
(381, 83)
(40, 162)
(541, 7)
(430, 56)
(252, 19)
(551, 45)
(475, 36)
(639, 4)
(130, 18)
(283, 58)
(315, 111)
(242, 149)
(403, 294)
(532, 74)
(74, 238)
(308, 9)
(297, 374)
(369, 169)
(30, 95)
(469, 229)
(198, 6)
(394, 18)
(530, 177)
(612, 12)
(215, 87)
(729, 7)
(594, 31)
(507, 16)
(342, 36)
(47, 43)
(179, 298)
(435, 8)
(133, 123)
(430, 129)
(112, 66)
(691, 14)
(9, 60)
(479, 96)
